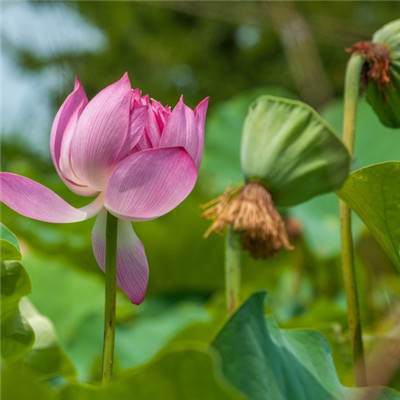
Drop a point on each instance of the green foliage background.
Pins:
(232, 53)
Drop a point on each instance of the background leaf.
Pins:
(9, 246)
(8, 251)
(181, 374)
(21, 385)
(373, 193)
(266, 362)
(28, 339)
(6, 234)
(16, 334)
(46, 359)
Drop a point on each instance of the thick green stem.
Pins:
(110, 298)
(233, 260)
(351, 93)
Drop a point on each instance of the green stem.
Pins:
(110, 298)
(351, 93)
(233, 260)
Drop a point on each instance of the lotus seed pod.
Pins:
(385, 99)
(291, 150)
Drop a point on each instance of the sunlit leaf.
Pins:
(269, 363)
(373, 193)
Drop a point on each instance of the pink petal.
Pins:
(144, 143)
(200, 113)
(72, 103)
(132, 267)
(137, 124)
(153, 129)
(36, 201)
(150, 183)
(137, 96)
(101, 132)
(181, 130)
(161, 115)
(61, 133)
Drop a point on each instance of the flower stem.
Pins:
(351, 93)
(233, 260)
(110, 298)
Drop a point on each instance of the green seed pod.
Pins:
(291, 150)
(384, 97)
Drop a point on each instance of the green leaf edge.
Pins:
(7, 235)
(346, 199)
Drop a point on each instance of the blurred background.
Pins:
(232, 53)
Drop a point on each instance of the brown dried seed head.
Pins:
(250, 210)
(377, 64)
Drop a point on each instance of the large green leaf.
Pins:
(388, 110)
(269, 363)
(373, 193)
(189, 373)
(292, 150)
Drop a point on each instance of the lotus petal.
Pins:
(33, 200)
(132, 267)
(150, 183)
(101, 133)
(181, 130)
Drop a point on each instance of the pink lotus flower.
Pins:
(138, 157)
